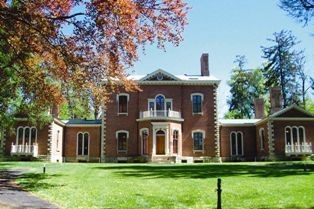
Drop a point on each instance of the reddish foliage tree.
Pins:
(51, 43)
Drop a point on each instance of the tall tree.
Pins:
(246, 85)
(45, 43)
(301, 10)
(282, 66)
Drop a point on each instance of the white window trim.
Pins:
(127, 141)
(24, 141)
(165, 103)
(204, 136)
(297, 140)
(230, 138)
(173, 130)
(202, 98)
(127, 104)
(82, 144)
(261, 142)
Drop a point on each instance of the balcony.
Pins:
(29, 150)
(299, 149)
(160, 115)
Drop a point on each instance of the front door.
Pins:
(160, 142)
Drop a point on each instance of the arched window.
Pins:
(160, 102)
(19, 135)
(198, 140)
(26, 135)
(175, 141)
(83, 144)
(144, 137)
(122, 140)
(236, 143)
(262, 138)
(295, 135)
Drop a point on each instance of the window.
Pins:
(175, 141)
(236, 143)
(295, 135)
(198, 140)
(123, 100)
(144, 137)
(197, 100)
(26, 135)
(82, 143)
(262, 138)
(160, 103)
(122, 139)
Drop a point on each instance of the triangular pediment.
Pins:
(292, 111)
(160, 75)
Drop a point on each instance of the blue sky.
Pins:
(224, 29)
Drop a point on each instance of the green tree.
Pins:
(245, 86)
(44, 44)
(301, 10)
(282, 66)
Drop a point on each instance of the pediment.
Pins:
(292, 111)
(160, 75)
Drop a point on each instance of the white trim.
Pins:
(203, 142)
(236, 142)
(24, 140)
(83, 142)
(127, 103)
(202, 100)
(292, 139)
(156, 72)
(171, 140)
(289, 108)
(293, 119)
(127, 140)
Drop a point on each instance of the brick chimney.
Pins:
(204, 65)
(275, 99)
(54, 111)
(259, 108)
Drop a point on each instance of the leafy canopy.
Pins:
(47, 44)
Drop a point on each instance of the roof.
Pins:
(81, 122)
(238, 122)
(163, 77)
(294, 106)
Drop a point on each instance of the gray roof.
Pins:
(81, 121)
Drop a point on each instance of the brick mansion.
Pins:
(173, 118)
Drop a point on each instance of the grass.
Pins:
(244, 185)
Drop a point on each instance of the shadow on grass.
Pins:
(36, 181)
(210, 170)
(288, 207)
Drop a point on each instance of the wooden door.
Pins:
(160, 141)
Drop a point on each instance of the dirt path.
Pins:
(13, 197)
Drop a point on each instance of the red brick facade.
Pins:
(173, 119)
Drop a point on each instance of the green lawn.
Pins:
(245, 185)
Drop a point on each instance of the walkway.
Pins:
(13, 197)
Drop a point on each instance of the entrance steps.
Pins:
(163, 159)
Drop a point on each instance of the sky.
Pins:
(224, 29)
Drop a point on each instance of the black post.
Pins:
(44, 169)
(219, 190)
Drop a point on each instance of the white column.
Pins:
(154, 142)
(167, 141)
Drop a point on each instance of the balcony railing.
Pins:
(160, 114)
(25, 149)
(299, 149)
